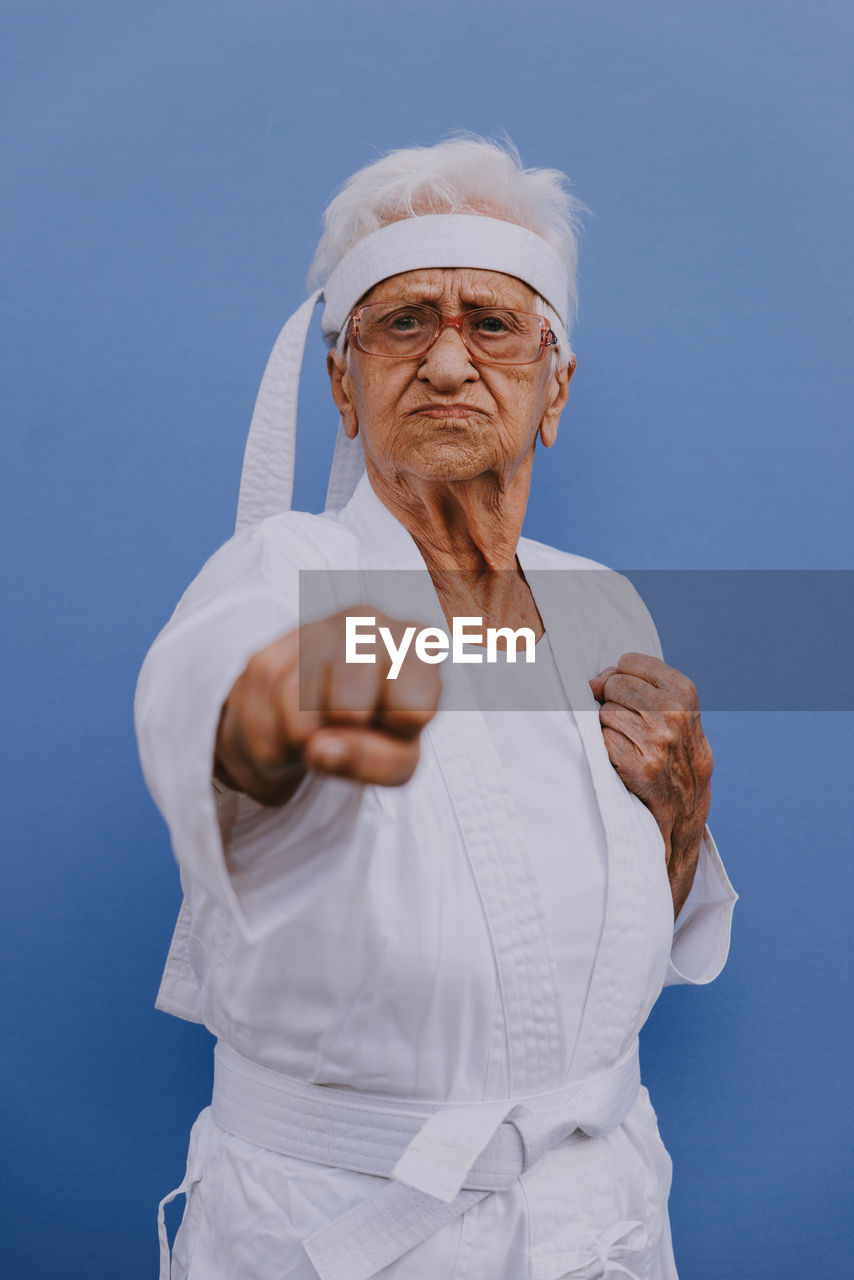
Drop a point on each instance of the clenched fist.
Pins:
(651, 726)
(360, 726)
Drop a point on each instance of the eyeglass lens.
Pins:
(492, 334)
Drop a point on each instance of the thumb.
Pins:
(597, 684)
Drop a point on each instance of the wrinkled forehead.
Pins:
(454, 288)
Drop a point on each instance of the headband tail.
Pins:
(267, 480)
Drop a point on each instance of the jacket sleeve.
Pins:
(701, 932)
(245, 597)
(702, 928)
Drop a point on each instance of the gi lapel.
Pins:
(528, 1052)
(566, 600)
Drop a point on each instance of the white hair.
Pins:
(465, 174)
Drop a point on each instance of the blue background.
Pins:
(166, 166)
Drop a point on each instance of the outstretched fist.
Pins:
(299, 705)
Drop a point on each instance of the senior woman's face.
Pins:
(443, 415)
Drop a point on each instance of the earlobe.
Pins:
(551, 417)
(339, 378)
(548, 431)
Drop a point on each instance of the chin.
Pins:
(449, 454)
(449, 464)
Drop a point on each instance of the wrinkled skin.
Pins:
(651, 726)
(449, 446)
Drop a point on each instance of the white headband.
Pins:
(434, 240)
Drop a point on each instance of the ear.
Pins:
(342, 391)
(551, 417)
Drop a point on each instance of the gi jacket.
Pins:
(391, 941)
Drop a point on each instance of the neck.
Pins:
(467, 532)
(459, 524)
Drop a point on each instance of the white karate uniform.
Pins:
(458, 958)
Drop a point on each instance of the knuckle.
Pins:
(257, 666)
(404, 718)
(706, 763)
(685, 687)
(348, 713)
(264, 666)
(350, 701)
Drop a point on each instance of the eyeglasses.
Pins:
(491, 335)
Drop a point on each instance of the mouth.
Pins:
(440, 411)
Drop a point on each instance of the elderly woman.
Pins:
(426, 937)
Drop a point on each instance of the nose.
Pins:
(448, 365)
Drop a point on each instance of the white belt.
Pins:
(438, 1162)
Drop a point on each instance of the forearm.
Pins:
(682, 845)
(681, 869)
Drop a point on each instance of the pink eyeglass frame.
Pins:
(548, 337)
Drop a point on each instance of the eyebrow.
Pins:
(470, 300)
